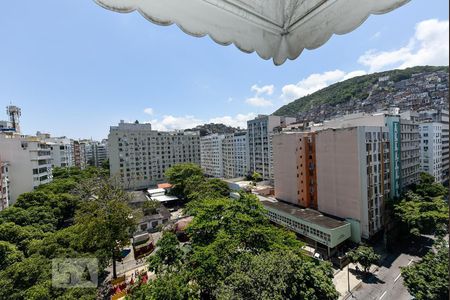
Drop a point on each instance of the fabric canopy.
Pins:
(277, 29)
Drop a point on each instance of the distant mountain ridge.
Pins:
(415, 88)
(211, 128)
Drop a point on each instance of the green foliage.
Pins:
(422, 215)
(21, 236)
(168, 255)
(277, 275)
(179, 174)
(428, 279)
(256, 177)
(105, 219)
(199, 187)
(365, 256)
(234, 254)
(428, 188)
(354, 88)
(9, 254)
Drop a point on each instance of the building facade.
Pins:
(29, 163)
(295, 178)
(139, 156)
(211, 158)
(409, 153)
(235, 155)
(61, 151)
(96, 152)
(4, 185)
(353, 175)
(440, 116)
(431, 160)
(79, 154)
(260, 132)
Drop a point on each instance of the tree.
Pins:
(105, 220)
(9, 254)
(199, 187)
(428, 279)
(278, 275)
(179, 174)
(365, 256)
(428, 187)
(420, 215)
(256, 177)
(167, 255)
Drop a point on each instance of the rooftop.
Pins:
(309, 215)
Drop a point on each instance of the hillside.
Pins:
(211, 128)
(412, 88)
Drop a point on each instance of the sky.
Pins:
(76, 69)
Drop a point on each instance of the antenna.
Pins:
(14, 114)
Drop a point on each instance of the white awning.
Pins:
(277, 29)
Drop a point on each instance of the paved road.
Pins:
(387, 283)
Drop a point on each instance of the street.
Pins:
(386, 283)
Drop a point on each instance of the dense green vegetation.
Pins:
(423, 209)
(354, 88)
(40, 227)
(233, 252)
(428, 279)
(365, 256)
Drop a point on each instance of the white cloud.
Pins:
(315, 82)
(258, 101)
(149, 111)
(266, 89)
(375, 35)
(169, 122)
(240, 120)
(428, 46)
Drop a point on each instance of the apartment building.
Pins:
(211, 155)
(409, 151)
(404, 161)
(353, 175)
(260, 132)
(139, 156)
(96, 152)
(79, 154)
(431, 160)
(235, 155)
(4, 185)
(61, 151)
(440, 116)
(295, 178)
(29, 163)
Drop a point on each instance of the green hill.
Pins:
(355, 89)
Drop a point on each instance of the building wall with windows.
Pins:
(260, 132)
(353, 174)
(235, 155)
(410, 153)
(61, 151)
(79, 154)
(4, 185)
(431, 149)
(294, 157)
(211, 158)
(29, 163)
(139, 156)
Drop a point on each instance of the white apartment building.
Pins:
(211, 158)
(353, 175)
(61, 151)
(139, 156)
(431, 149)
(235, 155)
(440, 116)
(96, 152)
(4, 185)
(409, 152)
(29, 163)
(260, 131)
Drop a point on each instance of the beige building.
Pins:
(139, 156)
(353, 175)
(294, 160)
